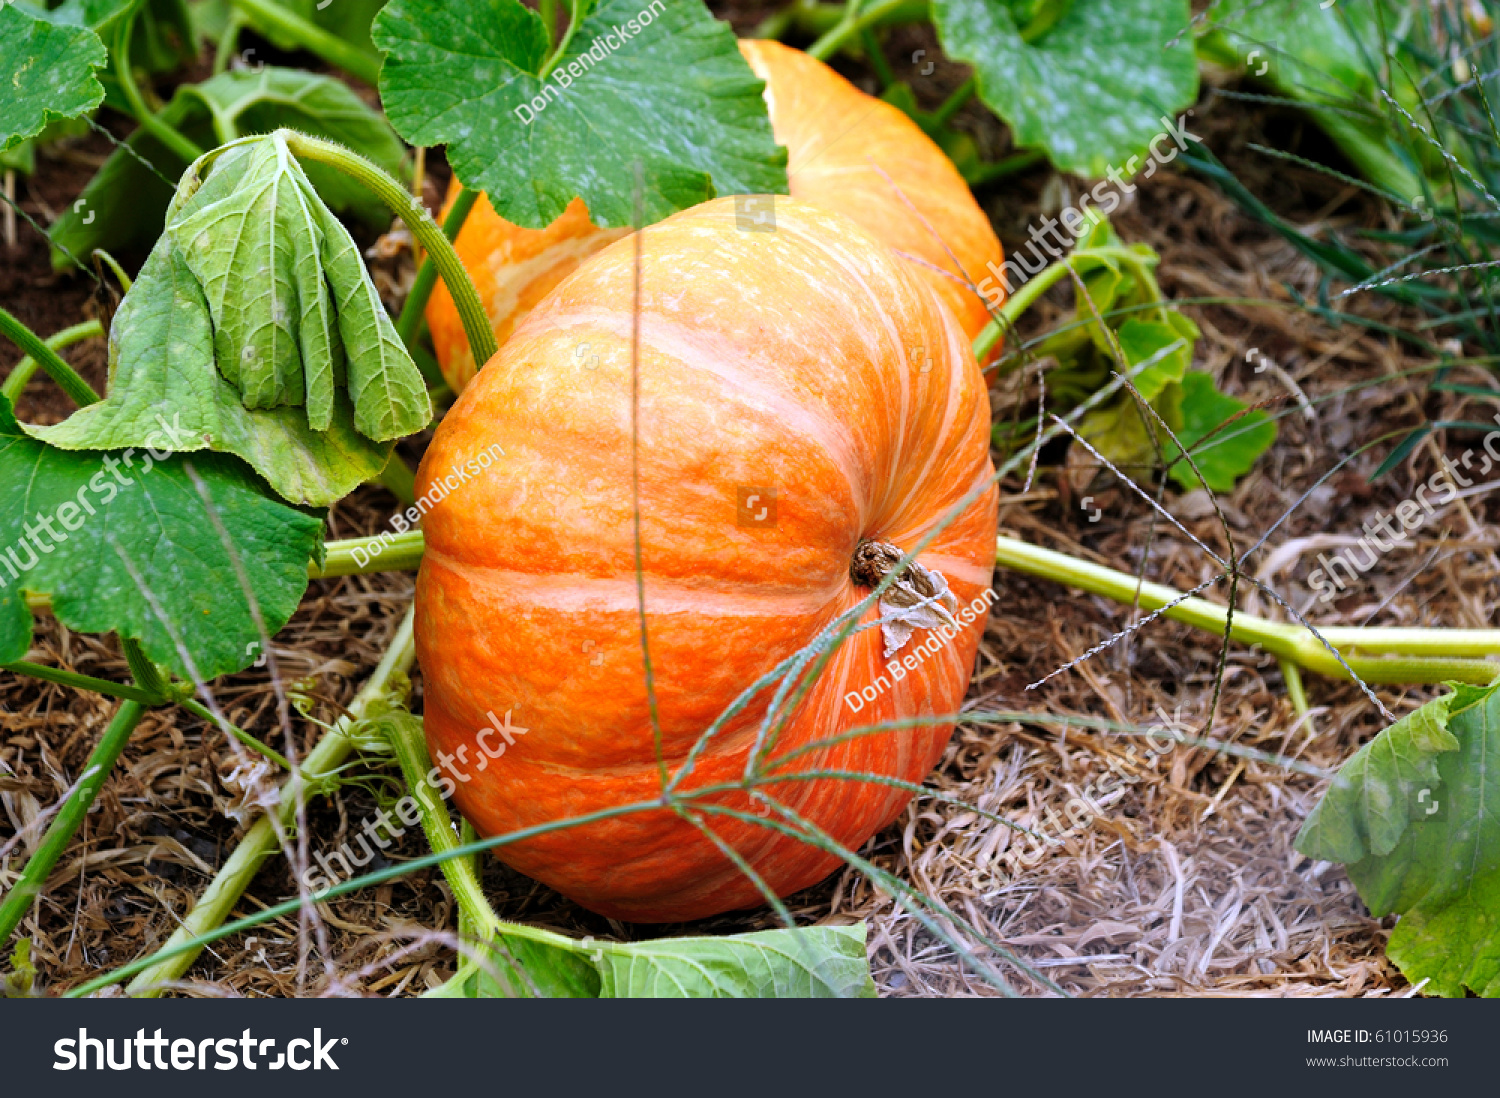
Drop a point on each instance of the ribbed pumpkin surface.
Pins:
(807, 360)
(839, 142)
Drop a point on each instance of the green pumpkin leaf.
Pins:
(1418, 803)
(659, 83)
(288, 295)
(1378, 793)
(125, 543)
(124, 205)
(161, 360)
(1092, 88)
(1228, 450)
(1119, 430)
(823, 962)
(1169, 350)
(46, 73)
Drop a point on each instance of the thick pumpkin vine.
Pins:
(255, 378)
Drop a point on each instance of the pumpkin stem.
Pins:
(875, 560)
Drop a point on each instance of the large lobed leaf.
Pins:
(1413, 815)
(1091, 89)
(674, 96)
(46, 71)
(126, 543)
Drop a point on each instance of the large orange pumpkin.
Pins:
(846, 152)
(801, 395)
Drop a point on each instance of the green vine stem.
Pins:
(832, 23)
(393, 553)
(201, 711)
(575, 17)
(1033, 289)
(1006, 166)
(954, 103)
(75, 387)
(409, 323)
(268, 16)
(1377, 655)
(477, 918)
(259, 843)
(398, 479)
(60, 832)
(1389, 655)
(21, 376)
(1376, 162)
(80, 682)
(437, 246)
(147, 118)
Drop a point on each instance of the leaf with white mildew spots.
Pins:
(46, 73)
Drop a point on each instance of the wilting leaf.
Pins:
(267, 252)
(124, 542)
(252, 237)
(161, 362)
(822, 962)
(46, 73)
(675, 97)
(255, 320)
(125, 203)
(1430, 842)
(1091, 90)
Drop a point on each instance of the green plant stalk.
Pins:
(1419, 652)
(75, 387)
(60, 832)
(228, 42)
(171, 138)
(263, 14)
(876, 57)
(818, 19)
(409, 323)
(477, 917)
(398, 479)
(575, 17)
(853, 18)
(16, 383)
(1375, 655)
(398, 553)
(1010, 165)
(379, 876)
(147, 675)
(410, 210)
(201, 711)
(80, 682)
(259, 843)
(954, 103)
(1034, 288)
